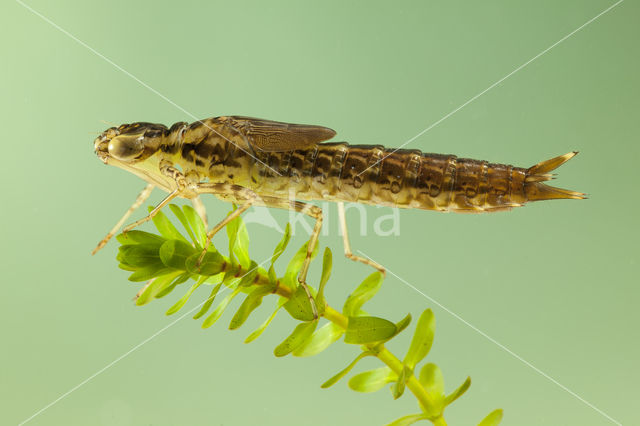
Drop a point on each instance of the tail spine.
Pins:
(536, 190)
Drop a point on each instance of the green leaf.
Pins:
(232, 235)
(431, 379)
(299, 305)
(332, 381)
(238, 241)
(327, 264)
(422, 339)
(458, 392)
(196, 223)
(365, 291)
(212, 263)
(207, 304)
(249, 304)
(140, 237)
(493, 419)
(219, 310)
(247, 279)
(282, 245)
(139, 255)
(147, 293)
(242, 244)
(154, 286)
(320, 340)
(296, 338)
(373, 380)
(180, 303)
(290, 278)
(166, 289)
(280, 248)
(398, 388)
(128, 267)
(183, 219)
(409, 420)
(361, 330)
(273, 279)
(402, 324)
(150, 272)
(166, 228)
(215, 279)
(257, 332)
(174, 253)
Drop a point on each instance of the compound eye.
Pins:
(126, 148)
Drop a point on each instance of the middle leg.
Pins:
(235, 193)
(314, 212)
(246, 198)
(196, 202)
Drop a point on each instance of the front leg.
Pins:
(139, 200)
(168, 170)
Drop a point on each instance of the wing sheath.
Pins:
(275, 136)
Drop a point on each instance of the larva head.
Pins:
(129, 143)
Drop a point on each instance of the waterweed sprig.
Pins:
(169, 259)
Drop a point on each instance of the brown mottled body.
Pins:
(369, 174)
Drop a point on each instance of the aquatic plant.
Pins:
(169, 260)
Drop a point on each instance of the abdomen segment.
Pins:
(371, 174)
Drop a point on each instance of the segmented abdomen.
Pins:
(371, 174)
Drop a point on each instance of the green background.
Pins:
(555, 282)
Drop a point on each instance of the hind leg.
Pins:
(347, 247)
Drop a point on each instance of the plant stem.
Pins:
(381, 352)
(439, 421)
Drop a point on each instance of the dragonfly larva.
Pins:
(250, 161)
